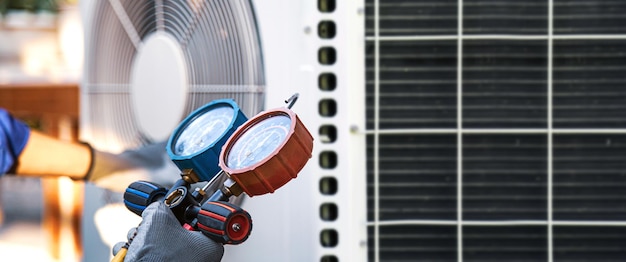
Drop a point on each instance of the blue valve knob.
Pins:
(140, 194)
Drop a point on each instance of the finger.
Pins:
(117, 247)
(152, 209)
(204, 246)
(131, 234)
(158, 213)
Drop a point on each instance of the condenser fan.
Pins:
(150, 63)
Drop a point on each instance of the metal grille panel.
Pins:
(496, 130)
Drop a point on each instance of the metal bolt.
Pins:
(236, 227)
(200, 191)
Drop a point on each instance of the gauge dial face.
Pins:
(258, 142)
(203, 131)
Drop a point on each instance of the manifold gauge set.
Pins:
(219, 145)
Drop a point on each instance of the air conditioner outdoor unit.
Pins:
(259, 53)
(444, 130)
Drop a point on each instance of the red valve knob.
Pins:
(224, 222)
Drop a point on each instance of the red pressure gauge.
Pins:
(267, 151)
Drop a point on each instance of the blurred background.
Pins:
(448, 130)
(41, 62)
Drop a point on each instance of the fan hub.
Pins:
(159, 86)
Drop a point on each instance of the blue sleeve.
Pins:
(13, 137)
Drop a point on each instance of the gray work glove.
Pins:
(116, 171)
(160, 237)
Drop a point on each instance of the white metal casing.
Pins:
(287, 224)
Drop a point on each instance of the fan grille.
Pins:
(220, 45)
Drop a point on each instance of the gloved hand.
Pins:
(160, 237)
(31, 153)
(117, 171)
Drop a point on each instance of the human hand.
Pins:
(31, 153)
(116, 171)
(160, 237)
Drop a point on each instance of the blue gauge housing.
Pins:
(197, 141)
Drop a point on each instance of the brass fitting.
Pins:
(232, 187)
(189, 176)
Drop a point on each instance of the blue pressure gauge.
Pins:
(197, 141)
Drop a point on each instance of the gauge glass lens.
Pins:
(258, 142)
(203, 131)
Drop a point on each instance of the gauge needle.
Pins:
(259, 145)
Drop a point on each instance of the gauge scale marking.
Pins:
(197, 142)
(258, 142)
(267, 151)
(203, 130)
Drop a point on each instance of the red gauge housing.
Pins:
(278, 168)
